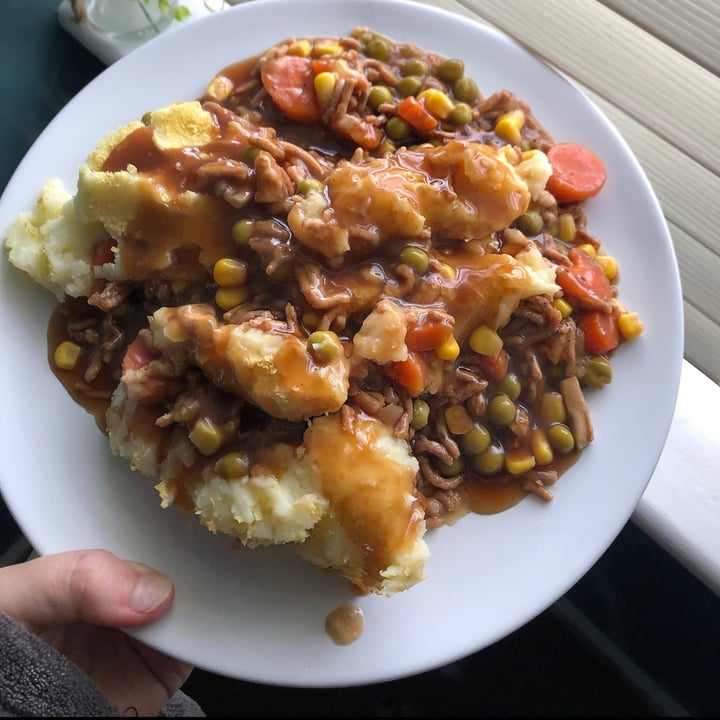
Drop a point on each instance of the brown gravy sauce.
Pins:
(177, 170)
(345, 623)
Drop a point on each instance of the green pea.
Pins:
(455, 467)
(465, 90)
(421, 414)
(598, 371)
(364, 37)
(242, 231)
(461, 114)
(530, 223)
(501, 409)
(409, 85)
(489, 462)
(147, 118)
(396, 128)
(476, 440)
(378, 49)
(451, 70)
(415, 66)
(233, 465)
(309, 184)
(416, 258)
(510, 385)
(561, 438)
(379, 95)
(324, 346)
(251, 153)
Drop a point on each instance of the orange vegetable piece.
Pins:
(428, 334)
(410, 373)
(577, 173)
(600, 330)
(494, 367)
(149, 390)
(584, 280)
(361, 132)
(415, 114)
(102, 252)
(289, 80)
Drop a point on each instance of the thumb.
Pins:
(94, 586)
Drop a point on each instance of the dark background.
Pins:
(637, 636)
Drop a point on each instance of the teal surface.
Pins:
(41, 68)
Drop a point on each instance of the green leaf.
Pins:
(179, 12)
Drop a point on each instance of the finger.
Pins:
(93, 586)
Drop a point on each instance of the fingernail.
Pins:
(150, 591)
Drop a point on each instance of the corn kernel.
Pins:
(449, 350)
(206, 436)
(447, 271)
(588, 249)
(228, 272)
(541, 447)
(508, 126)
(228, 298)
(609, 266)
(630, 325)
(66, 355)
(566, 227)
(457, 420)
(328, 48)
(485, 341)
(437, 102)
(324, 87)
(562, 306)
(619, 306)
(518, 461)
(300, 48)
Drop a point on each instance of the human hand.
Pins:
(75, 601)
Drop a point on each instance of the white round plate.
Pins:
(259, 615)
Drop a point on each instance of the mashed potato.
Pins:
(52, 245)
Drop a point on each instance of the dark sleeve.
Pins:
(36, 680)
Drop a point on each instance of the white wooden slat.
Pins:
(702, 342)
(688, 192)
(699, 273)
(662, 89)
(690, 26)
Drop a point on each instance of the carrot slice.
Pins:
(137, 355)
(577, 173)
(102, 252)
(146, 390)
(494, 368)
(427, 334)
(410, 373)
(361, 132)
(584, 280)
(415, 114)
(600, 330)
(290, 82)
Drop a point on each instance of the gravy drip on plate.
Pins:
(344, 624)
